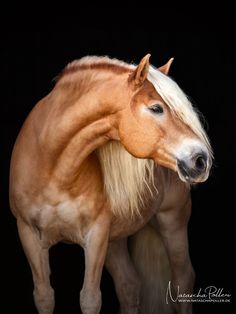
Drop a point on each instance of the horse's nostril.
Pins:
(195, 168)
(201, 163)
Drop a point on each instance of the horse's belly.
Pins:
(123, 227)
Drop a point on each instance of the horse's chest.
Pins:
(68, 219)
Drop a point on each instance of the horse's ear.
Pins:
(139, 75)
(166, 67)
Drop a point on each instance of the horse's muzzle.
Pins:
(195, 168)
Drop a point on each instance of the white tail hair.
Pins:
(128, 181)
(151, 263)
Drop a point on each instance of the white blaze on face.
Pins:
(179, 104)
(187, 148)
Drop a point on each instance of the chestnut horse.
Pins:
(111, 148)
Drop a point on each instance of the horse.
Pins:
(110, 152)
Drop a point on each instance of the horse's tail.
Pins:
(150, 259)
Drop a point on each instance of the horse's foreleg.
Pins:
(95, 253)
(173, 229)
(39, 262)
(124, 275)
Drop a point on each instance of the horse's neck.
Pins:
(80, 146)
(73, 131)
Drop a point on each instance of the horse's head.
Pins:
(160, 123)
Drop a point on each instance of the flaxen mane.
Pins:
(128, 179)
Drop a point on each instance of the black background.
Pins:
(203, 67)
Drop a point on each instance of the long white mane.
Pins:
(166, 87)
(178, 103)
(128, 180)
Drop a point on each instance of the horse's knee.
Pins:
(90, 301)
(185, 277)
(44, 299)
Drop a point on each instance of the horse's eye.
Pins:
(156, 109)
